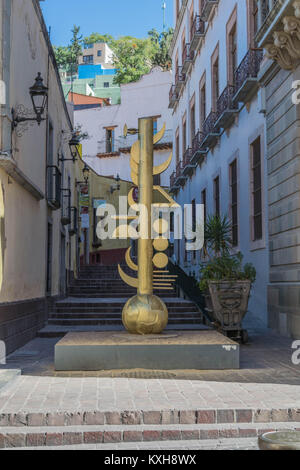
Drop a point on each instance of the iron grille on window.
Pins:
(54, 187)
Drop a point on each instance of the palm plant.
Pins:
(217, 235)
(222, 265)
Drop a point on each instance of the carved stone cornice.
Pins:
(285, 48)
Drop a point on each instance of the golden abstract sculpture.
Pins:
(146, 313)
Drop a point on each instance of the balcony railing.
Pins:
(211, 135)
(245, 78)
(107, 148)
(187, 57)
(197, 32)
(173, 181)
(188, 165)
(177, 178)
(173, 97)
(124, 144)
(199, 151)
(179, 79)
(207, 8)
(54, 187)
(226, 108)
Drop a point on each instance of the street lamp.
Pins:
(74, 148)
(86, 172)
(116, 187)
(39, 96)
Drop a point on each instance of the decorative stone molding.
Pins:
(285, 49)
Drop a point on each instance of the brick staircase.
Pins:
(96, 301)
(54, 429)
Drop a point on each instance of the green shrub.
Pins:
(222, 265)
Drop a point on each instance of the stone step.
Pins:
(188, 320)
(115, 302)
(159, 416)
(20, 437)
(124, 295)
(118, 310)
(118, 314)
(241, 444)
(55, 331)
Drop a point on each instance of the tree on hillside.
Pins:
(161, 45)
(67, 57)
(96, 37)
(133, 58)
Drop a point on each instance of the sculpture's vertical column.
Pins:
(145, 247)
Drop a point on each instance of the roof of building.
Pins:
(79, 99)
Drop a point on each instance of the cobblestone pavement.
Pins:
(220, 444)
(46, 394)
(266, 359)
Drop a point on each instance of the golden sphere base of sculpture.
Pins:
(145, 315)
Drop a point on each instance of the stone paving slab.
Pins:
(6, 376)
(216, 444)
(46, 394)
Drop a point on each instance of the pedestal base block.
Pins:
(198, 350)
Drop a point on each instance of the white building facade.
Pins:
(219, 128)
(106, 150)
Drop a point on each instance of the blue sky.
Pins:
(115, 17)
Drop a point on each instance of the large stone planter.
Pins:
(229, 301)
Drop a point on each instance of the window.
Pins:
(194, 224)
(106, 85)
(265, 10)
(203, 202)
(257, 191)
(177, 8)
(255, 17)
(157, 180)
(193, 120)
(88, 59)
(215, 79)
(110, 140)
(184, 136)
(234, 202)
(232, 54)
(99, 53)
(202, 102)
(177, 147)
(252, 8)
(217, 195)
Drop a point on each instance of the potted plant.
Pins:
(225, 282)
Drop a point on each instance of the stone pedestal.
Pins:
(198, 350)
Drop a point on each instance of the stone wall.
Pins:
(283, 150)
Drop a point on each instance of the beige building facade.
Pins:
(37, 202)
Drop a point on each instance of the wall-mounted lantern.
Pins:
(39, 96)
(117, 186)
(74, 143)
(86, 173)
